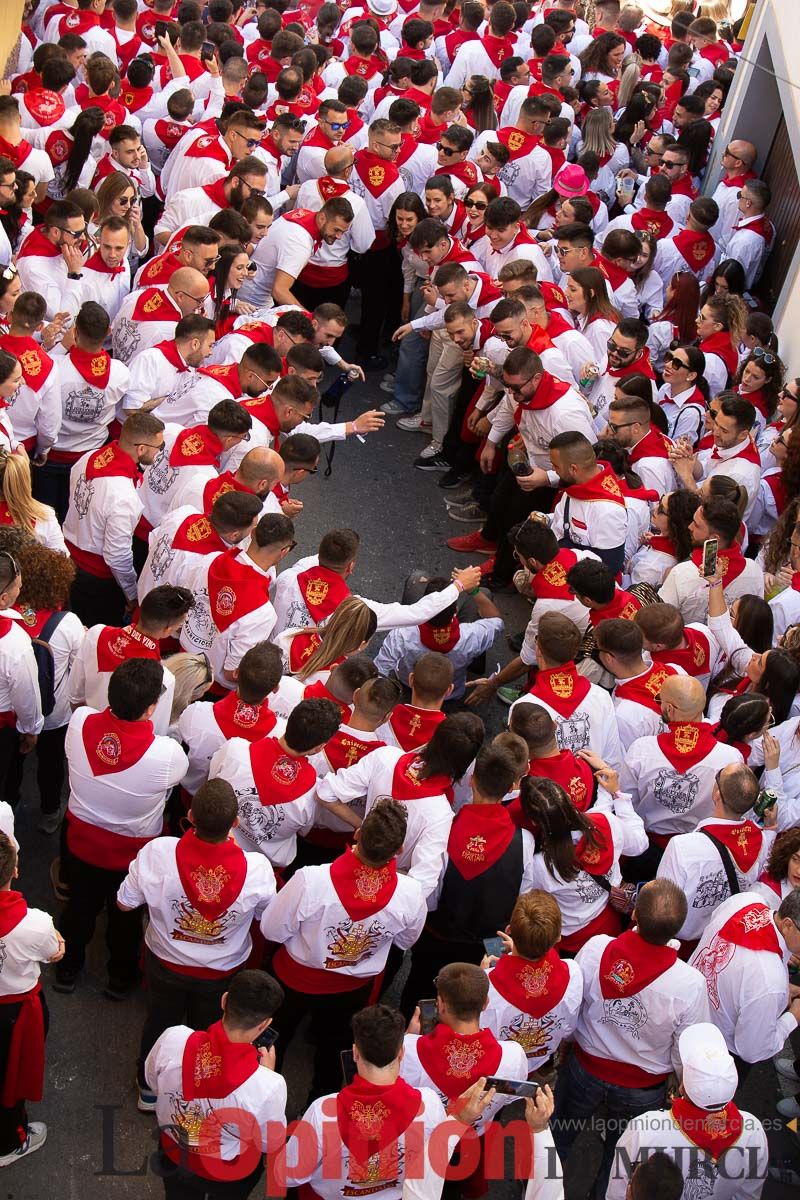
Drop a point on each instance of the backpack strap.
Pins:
(727, 862)
(50, 626)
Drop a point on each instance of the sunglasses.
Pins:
(481, 206)
(515, 389)
(764, 356)
(623, 425)
(446, 150)
(337, 126)
(126, 201)
(672, 360)
(620, 351)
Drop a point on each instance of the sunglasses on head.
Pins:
(764, 356)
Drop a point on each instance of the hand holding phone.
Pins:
(512, 1087)
(710, 548)
(348, 1066)
(267, 1039)
(428, 1016)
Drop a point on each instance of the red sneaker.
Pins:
(472, 543)
(487, 568)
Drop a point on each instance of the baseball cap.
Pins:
(571, 180)
(709, 1072)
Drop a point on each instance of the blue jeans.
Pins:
(579, 1096)
(410, 372)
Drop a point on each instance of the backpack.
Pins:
(45, 662)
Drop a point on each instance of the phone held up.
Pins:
(512, 1087)
(348, 1066)
(266, 1039)
(494, 947)
(710, 548)
(428, 1016)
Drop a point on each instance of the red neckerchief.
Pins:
(654, 444)
(519, 144)
(623, 606)
(465, 171)
(160, 270)
(738, 181)
(414, 727)
(539, 341)
(712, 1132)
(428, 130)
(548, 393)
(455, 253)
(615, 275)
(115, 646)
(197, 535)
(36, 364)
(756, 398)
(602, 486)
(36, 245)
(111, 462)
(457, 38)
(235, 588)
(301, 647)
(33, 620)
(696, 249)
(154, 305)
(646, 688)
(743, 840)
(640, 366)
(218, 486)
(629, 963)
(534, 986)
(498, 48)
(262, 408)
(648, 495)
(345, 749)
(557, 157)
(58, 146)
(686, 743)
(136, 98)
(113, 745)
(407, 784)
(213, 1066)
(777, 486)
(695, 656)
(195, 447)
(216, 193)
(211, 875)
(45, 107)
(375, 174)
(501, 93)
(279, 777)
(571, 773)
(550, 583)
(479, 837)
(227, 376)
(78, 23)
(441, 639)
(562, 688)
(13, 908)
(362, 890)
(744, 748)
(408, 147)
(370, 1119)
(748, 454)
(17, 153)
(730, 562)
(328, 187)
(258, 331)
(236, 718)
(92, 365)
(364, 68)
(753, 928)
(322, 590)
(596, 859)
(307, 220)
(319, 691)
(95, 263)
(209, 146)
(715, 53)
(453, 1061)
(722, 345)
(685, 187)
(169, 133)
(649, 220)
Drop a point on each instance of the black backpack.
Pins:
(45, 663)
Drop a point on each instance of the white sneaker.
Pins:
(414, 424)
(36, 1138)
(785, 1068)
(146, 1101)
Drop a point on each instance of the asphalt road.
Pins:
(98, 1144)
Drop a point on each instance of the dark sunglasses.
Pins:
(673, 361)
(445, 149)
(481, 207)
(620, 351)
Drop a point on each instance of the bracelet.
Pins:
(717, 583)
(474, 591)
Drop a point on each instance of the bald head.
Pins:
(735, 791)
(260, 470)
(682, 698)
(745, 151)
(338, 160)
(188, 289)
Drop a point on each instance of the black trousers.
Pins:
(508, 506)
(181, 1184)
(140, 549)
(97, 601)
(91, 890)
(50, 769)
(50, 485)
(330, 1028)
(9, 748)
(461, 454)
(428, 956)
(375, 273)
(174, 999)
(14, 1120)
(311, 297)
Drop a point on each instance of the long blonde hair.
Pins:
(193, 678)
(352, 624)
(598, 131)
(15, 489)
(113, 186)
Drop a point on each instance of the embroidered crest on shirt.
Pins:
(316, 591)
(83, 405)
(225, 602)
(554, 574)
(246, 715)
(686, 738)
(198, 530)
(187, 1119)
(515, 140)
(369, 883)
(657, 679)
(192, 445)
(376, 175)
(563, 684)
(285, 770)
(207, 1065)
(574, 732)
(610, 485)
(257, 821)
(475, 849)
(30, 362)
(711, 890)
(191, 926)
(162, 556)
(210, 882)
(351, 942)
(161, 476)
(369, 1117)
(109, 748)
(530, 1034)
(621, 974)
(675, 792)
(577, 791)
(534, 979)
(715, 958)
(379, 1173)
(462, 1058)
(627, 1013)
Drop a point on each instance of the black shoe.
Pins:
(515, 642)
(119, 990)
(65, 981)
(433, 462)
(453, 478)
(372, 362)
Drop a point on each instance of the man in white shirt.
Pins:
(195, 1074)
(753, 234)
(196, 161)
(507, 240)
(154, 372)
(52, 255)
(638, 684)
(21, 718)
(290, 243)
(195, 206)
(734, 453)
(150, 315)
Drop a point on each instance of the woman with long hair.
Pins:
(577, 854)
(476, 200)
(18, 507)
(555, 206)
(760, 380)
(230, 272)
(193, 678)
(633, 126)
(778, 483)
(743, 720)
(781, 877)
(720, 328)
(785, 417)
(758, 332)
(477, 103)
(713, 96)
(10, 288)
(677, 321)
(597, 136)
(696, 138)
(602, 59)
(70, 152)
(683, 396)
(647, 281)
(406, 213)
(728, 279)
(117, 198)
(46, 581)
(669, 542)
(595, 315)
(311, 653)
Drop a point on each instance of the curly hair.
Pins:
(785, 847)
(47, 576)
(682, 507)
(776, 553)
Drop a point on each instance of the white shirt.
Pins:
(513, 1065)
(429, 817)
(686, 589)
(287, 247)
(202, 738)
(19, 677)
(748, 990)
(129, 337)
(37, 412)
(595, 524)
(359, 236)
(160, 481)
(403, 647)
(494, 260)
(31, 942)
(89, 685)
(728, 462)
(47, 276)
(749, 248)
(176, 932)
(87, 410)
(129, 802)
(102, 515)
(540, 1037)
(190, 206)
(684, 410)
(379, 206)
(65, 643)
(225, 648)
(151, 375)
(539, 426)
(785, 611)
(526, 177)
(105, 289)
(592, 725)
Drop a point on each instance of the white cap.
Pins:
(382, 8)
(709, 1072)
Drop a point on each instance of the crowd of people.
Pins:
(289, 800)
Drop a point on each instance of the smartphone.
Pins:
(266, 1039)
(494, 946)
(207, 50)
(428, 1016)
(710, 547)
(161, 29)
(512, 1087)
(348, 1066)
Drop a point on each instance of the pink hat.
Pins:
(571, 180)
